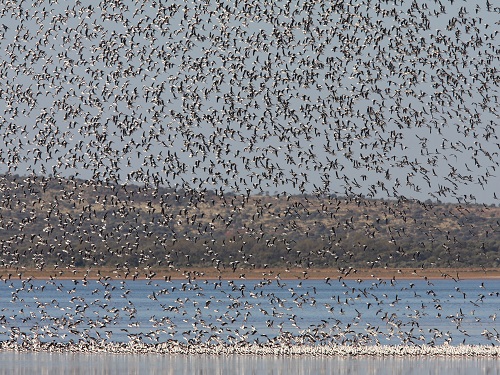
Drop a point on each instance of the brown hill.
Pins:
(47, 222)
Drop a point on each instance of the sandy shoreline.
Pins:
(275, 349)
(251, 274)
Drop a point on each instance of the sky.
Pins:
(383, 99)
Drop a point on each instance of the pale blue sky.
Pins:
(376, 99)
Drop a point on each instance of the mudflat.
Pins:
(255, 274)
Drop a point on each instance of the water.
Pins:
(212, 311)
(13, 363)
(308, 311)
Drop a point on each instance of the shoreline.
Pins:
(194, 273)
(173, 347)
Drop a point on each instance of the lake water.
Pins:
(307, 312)
(368, 312)
(55, 363)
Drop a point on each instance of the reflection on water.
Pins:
(13, 363)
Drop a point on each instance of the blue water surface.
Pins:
(211, 311)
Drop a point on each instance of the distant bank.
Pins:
(262, 273)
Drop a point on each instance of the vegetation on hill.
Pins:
(55, 222)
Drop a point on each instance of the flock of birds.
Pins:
(371, 99)
(203, 316)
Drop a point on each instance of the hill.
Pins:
(56, 222)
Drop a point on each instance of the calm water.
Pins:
(208, 310)
(43, 363)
